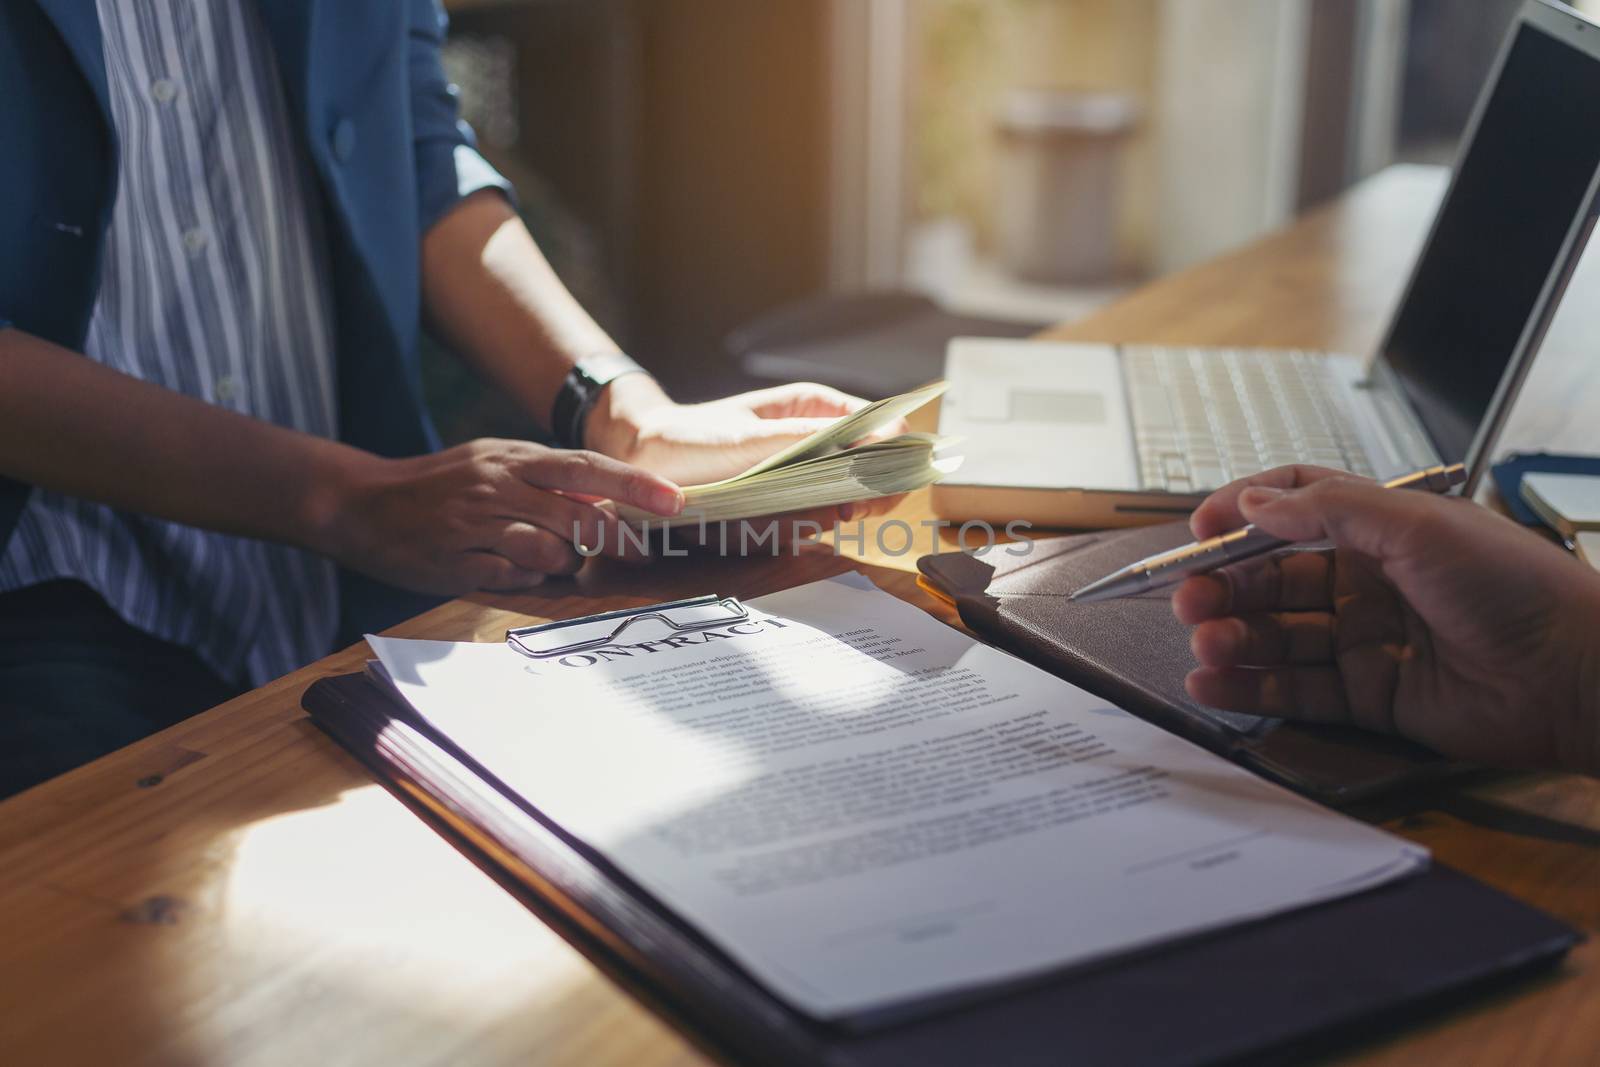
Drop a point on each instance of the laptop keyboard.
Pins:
(1205, 416)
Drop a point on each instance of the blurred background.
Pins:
(745, 191)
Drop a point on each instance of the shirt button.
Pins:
(195, 240)
(163, 90)
(342, 139)
(227, 388)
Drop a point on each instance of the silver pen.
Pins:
(1247, 542)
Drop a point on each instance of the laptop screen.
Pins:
(1519, 187)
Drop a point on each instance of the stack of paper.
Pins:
(830, 467)
(867, 809)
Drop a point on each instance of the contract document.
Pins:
(865, 808)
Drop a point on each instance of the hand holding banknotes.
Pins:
(804, 451)
(489, 514)
(1429, 617)
(694, 444)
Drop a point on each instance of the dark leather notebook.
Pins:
(1134, 653)
(1271, 991)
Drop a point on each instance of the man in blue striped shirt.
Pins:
(277, 178)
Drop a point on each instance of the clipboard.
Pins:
(552, 640)
(1282, 987)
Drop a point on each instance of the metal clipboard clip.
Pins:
(552, 640)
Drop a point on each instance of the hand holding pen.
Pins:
(1247, 542)
(1433, 618)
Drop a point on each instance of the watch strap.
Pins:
(581, 389)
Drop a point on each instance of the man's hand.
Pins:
(487, 515)
(1430, 617)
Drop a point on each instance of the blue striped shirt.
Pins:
(215, 285)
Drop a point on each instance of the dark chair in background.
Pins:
(870, 344)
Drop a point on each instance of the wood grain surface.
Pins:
(237, 891)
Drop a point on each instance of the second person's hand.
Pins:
(1430, 617)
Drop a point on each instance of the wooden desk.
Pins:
(236, 891)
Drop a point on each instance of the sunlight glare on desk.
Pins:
(317, 897)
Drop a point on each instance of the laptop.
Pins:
(1097, 435)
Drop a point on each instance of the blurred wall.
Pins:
(732, 208)
(970, 52)
(1230, 113)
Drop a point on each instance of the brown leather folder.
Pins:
(1135, 654)
(1277, 990)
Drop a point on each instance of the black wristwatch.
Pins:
(581, 389)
